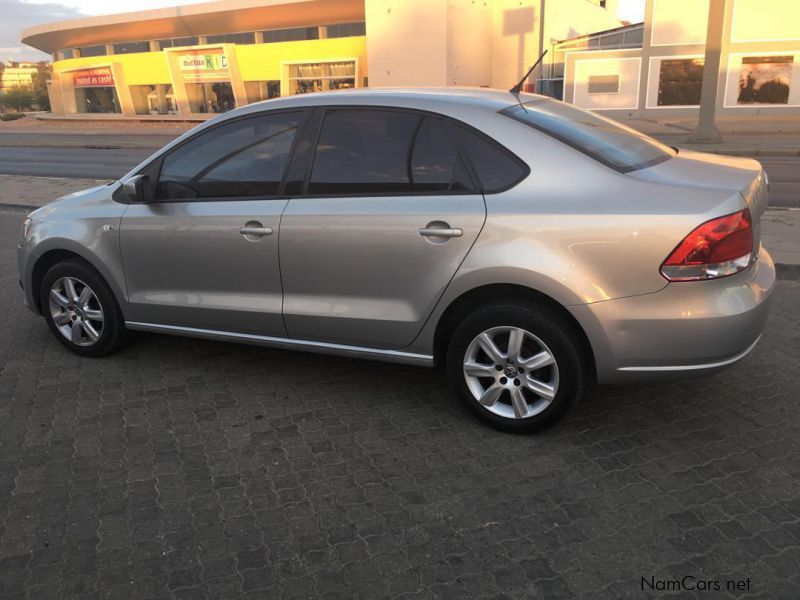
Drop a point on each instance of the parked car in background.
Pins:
(524, 245)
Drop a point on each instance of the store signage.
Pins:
(100, 77)
(203, 62)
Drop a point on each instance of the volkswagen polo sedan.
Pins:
(526, 246)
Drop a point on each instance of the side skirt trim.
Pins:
(396, 356)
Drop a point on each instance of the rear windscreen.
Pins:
(607, 141)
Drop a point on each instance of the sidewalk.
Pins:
(741, 136)
(780, 228)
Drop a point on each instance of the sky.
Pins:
(19, 14)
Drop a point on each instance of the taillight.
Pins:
(717, 248)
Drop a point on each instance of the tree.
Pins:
(18, 98)
(39, 91)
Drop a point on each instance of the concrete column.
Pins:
(706, 130)
(161, 98)
(154, 46)
(109, 49)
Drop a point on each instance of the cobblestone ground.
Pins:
(190, 469)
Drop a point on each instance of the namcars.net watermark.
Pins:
(691, 583)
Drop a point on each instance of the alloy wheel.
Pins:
(511, 372)
(76, 311)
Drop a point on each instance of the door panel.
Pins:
(188, 264)
(358, 271)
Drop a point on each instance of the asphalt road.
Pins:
(183, 468)
(82, 163)
(112, 163)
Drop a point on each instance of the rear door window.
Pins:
(367, 151)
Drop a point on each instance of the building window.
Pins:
(210, 97)
(603, 84)
(178, 42)
(680, 81)
(97, 100)
(99, 50)
(131, 47)
(321, 77)
(340, 30)
(65, 53)
(290, 35)
(262, 90)
(232, 38)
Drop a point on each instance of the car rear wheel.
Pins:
(81, 310)
(518, 368)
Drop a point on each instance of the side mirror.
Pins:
(137, 189)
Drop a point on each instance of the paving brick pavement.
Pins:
(181, 468)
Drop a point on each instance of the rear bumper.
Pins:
(691, 328)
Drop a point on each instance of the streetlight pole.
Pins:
(706, 130)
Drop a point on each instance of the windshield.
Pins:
(607, 141)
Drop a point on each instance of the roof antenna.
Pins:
(518, 88)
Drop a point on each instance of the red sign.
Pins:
(100, 77)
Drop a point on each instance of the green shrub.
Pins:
(11, 116)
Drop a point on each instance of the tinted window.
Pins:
(131, 47)
(608, 142)
(376, 151)
(435, 164)
(363, 152)
(496, 168)
(246, 158)
(248, 37)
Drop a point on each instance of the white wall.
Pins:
(765, 20)
(469, 43)
(679, 22)
(628, 69)
(406, 42)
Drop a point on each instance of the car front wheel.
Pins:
(80, 309)
(518, 368)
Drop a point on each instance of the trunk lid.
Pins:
(693, 169)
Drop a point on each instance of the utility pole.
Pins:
(706, 130)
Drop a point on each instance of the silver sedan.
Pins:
(526, 246)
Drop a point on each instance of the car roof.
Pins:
(490, 99)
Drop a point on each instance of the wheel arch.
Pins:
(55, 256)
(484, 295)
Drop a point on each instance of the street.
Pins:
(88, 163)
(107, 162)
(183, 468)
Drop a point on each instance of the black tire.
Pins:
(553, 330)
(112, 335)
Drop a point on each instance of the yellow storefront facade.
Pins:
(205, 78)
(194, 65)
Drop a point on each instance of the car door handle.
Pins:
(256, 230)
(441, 232)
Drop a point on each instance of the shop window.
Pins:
(97, 100)
(154, 99)
(131, 47)
(340, 30)
(232, 38)
(262, 90)
(178, 42)
(210, 97)
(293, 34)
(99, 50)
(319, 77)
